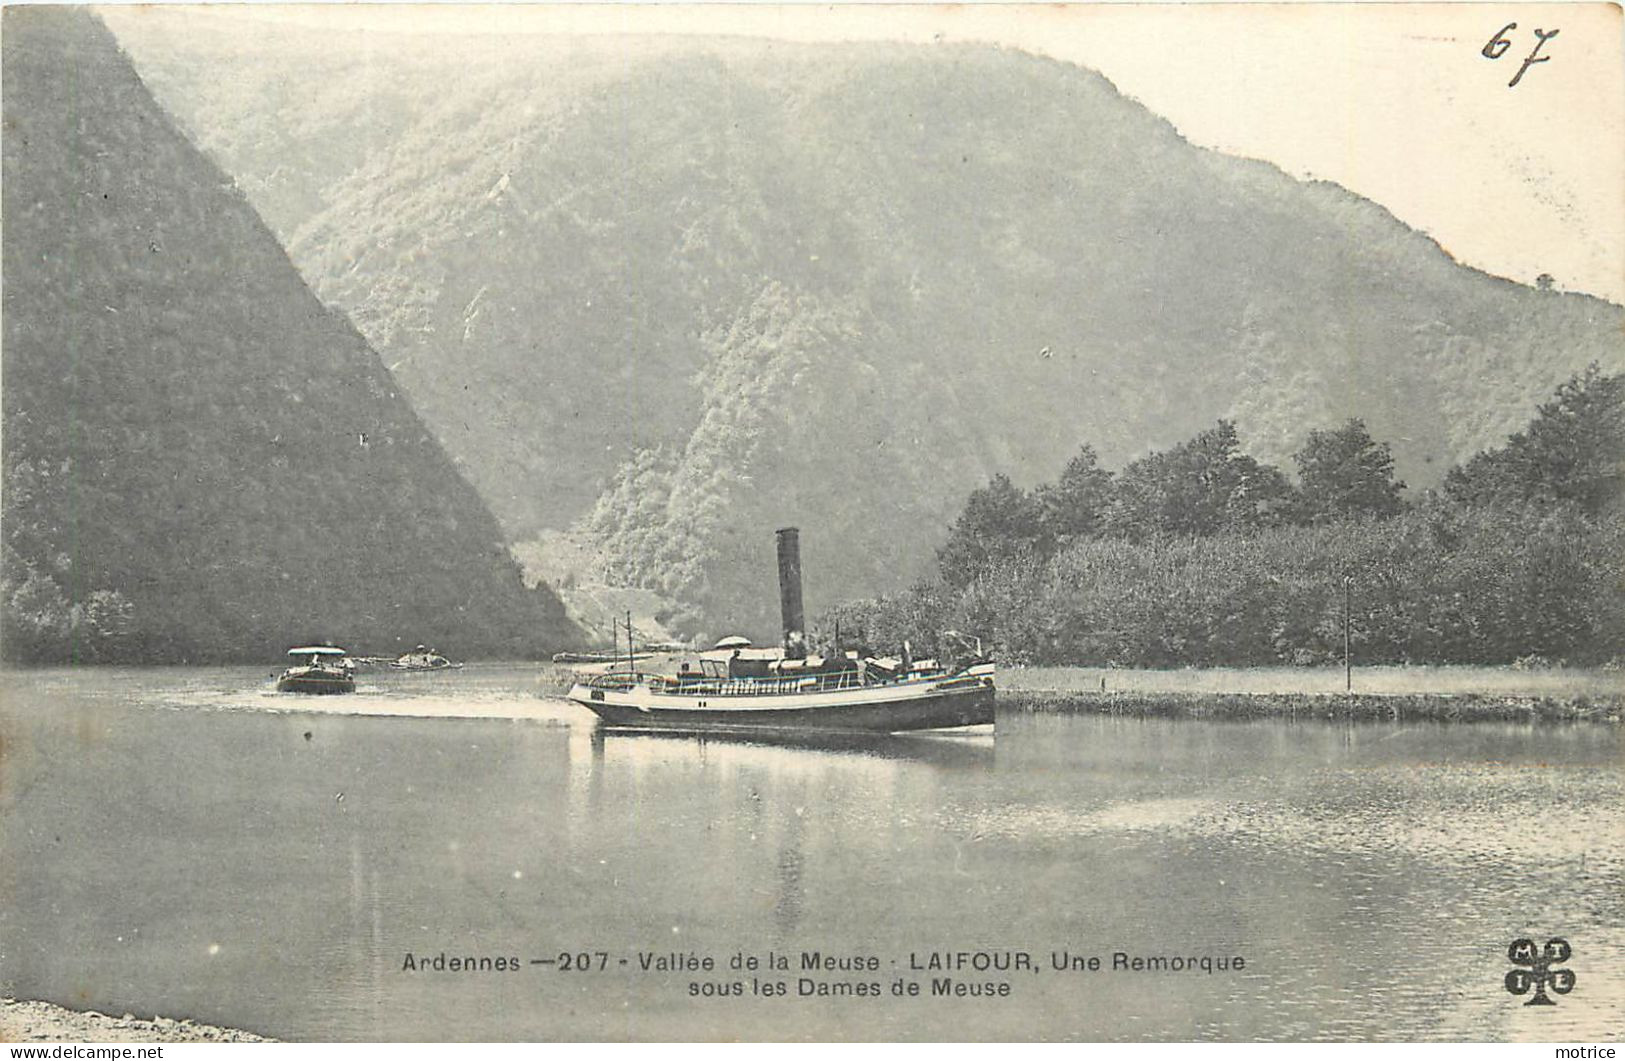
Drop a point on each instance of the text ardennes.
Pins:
(440, 963)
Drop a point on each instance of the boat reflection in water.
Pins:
(795, 692)
(969, 750)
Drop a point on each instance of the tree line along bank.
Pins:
(1201, 555)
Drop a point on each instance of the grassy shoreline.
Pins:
(1437, 693)
(42, 1022)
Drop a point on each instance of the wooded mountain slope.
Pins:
(201, 460)
(676, 294)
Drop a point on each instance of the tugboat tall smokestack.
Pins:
(795, 625)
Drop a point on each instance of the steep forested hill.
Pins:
(678, 293)
(201, 460)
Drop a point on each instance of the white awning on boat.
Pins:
(317, 650)
(734, 642)
(805, 663)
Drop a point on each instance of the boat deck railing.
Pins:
(772, 685)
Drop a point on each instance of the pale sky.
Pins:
(1393, 101)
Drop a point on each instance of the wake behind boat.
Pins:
(796, 693)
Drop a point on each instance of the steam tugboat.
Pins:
(797, 692)
(326, 673)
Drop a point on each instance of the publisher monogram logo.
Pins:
(1539, 974)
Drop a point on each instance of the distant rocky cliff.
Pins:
(203, 462)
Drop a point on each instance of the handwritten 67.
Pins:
(1499, 44)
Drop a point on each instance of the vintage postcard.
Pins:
(749, 522)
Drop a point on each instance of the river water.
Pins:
(177, 842)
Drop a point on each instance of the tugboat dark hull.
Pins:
(895, 709)
(315, 684)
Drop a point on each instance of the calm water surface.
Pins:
(170, 845)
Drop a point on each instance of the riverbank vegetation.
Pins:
(1202, 556)
(1469, 707)
(1452, 693)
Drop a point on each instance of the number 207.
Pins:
(583, 961)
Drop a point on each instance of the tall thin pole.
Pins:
(631, 662)
(1348, 666)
